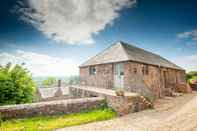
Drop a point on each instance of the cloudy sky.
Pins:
(53, 37)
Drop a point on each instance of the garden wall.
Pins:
(50, 108)
(130, 102)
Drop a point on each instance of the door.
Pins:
(119, 75)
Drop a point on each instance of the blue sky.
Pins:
(54, 37)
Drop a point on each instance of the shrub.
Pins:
(193, 78)
(1, 120)
(191, 75)
(16, 85)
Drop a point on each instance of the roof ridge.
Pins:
(115, 43)
(122, 45)
(140, 49)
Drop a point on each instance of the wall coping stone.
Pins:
(55, 102)
(50, 107)
(130, 102)
(105, 91)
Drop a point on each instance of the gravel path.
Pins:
(170, 114)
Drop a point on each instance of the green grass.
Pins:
(193, 78)
(48, 123)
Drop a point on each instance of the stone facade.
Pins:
(103, 77)
(50, 108)
(156, 81)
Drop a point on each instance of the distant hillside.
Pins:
(66, 80)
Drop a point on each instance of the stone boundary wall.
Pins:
(130, 102)
(50, 108)
(61, 97)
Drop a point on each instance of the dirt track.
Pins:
(170, 114)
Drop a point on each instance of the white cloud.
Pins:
(72, 21)
(189, 34)
(188, 62)
(41, 64)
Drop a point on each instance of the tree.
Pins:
(16, 85)
(49, 81)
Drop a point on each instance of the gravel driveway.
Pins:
(170, 114)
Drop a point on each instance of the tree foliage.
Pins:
(49, 81)
(191, 75)
(16, 85)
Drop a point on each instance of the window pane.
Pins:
(92, 70)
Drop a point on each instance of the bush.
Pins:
(1, 120)
(16, 85)
(193, 78)
(191, 75)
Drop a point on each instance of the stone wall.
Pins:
(136, 81)
(158, 81)
(103, 77)
(50, 108)
(130, 102)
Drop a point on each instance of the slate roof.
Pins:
(122, 51)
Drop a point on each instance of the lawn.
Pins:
(48, 123)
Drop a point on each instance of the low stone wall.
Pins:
(130, 102)
(183, 88)
(61, 97)
(194, 86)
(50, 108)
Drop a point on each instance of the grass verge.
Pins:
(48, 123)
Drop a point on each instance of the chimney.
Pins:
(59, 83)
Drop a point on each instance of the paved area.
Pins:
(170, 114)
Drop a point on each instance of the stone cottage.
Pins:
(124, 66)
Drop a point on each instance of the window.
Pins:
(92, 70)
(145, 70)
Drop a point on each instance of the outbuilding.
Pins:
(127, 67)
